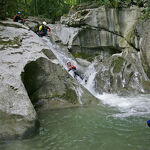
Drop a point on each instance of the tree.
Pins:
(2, 9)
(35, 8)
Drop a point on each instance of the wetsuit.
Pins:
(43, 30)
(76, 73)
(17, 18)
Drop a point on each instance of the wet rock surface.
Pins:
(122, 74)
(143, 28)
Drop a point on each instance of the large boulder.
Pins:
(18, 46)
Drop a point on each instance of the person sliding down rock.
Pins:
(76, 72)
(43, 30)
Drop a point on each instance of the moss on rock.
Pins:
(117, 64)
(86, 56)
(15, 43)
(70, 96)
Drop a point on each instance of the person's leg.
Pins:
(39, 34)
(77, 73)
(44, 32)
(21, 21)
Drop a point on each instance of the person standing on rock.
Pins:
(43, 30)
(17, 18)
(76, 72)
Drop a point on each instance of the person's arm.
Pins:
(48, 28)
(69, 68)
(23, 19)
(73, 67)
(14, 18)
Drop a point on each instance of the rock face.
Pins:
(143, 29)
(31, 74)
(103, 30)
(117, 37)
(122, 74)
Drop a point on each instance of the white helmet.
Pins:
(68, 62)
(44, 23)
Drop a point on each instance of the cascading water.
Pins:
(128, 106)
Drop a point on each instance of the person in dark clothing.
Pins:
(17, 18)
(43, 30)
(76, 72)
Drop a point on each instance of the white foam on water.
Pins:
(128, 106)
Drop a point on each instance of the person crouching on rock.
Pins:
(76, 72)
(43, 30)
(17, 18)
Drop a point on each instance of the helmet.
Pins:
(44, 23)
(148, 123)
(19, 13)
(68, 62)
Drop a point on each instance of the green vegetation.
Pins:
(15, 43)
(70, 96)
(53, 9)
(117, 64)
(86, 56)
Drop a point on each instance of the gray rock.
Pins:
(18, 46)
(102, 31)
(143, 28)
(120, 21)
(122, 73)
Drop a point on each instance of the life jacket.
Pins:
(72, 68)
(42, 28)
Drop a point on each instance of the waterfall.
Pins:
(127, 106)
